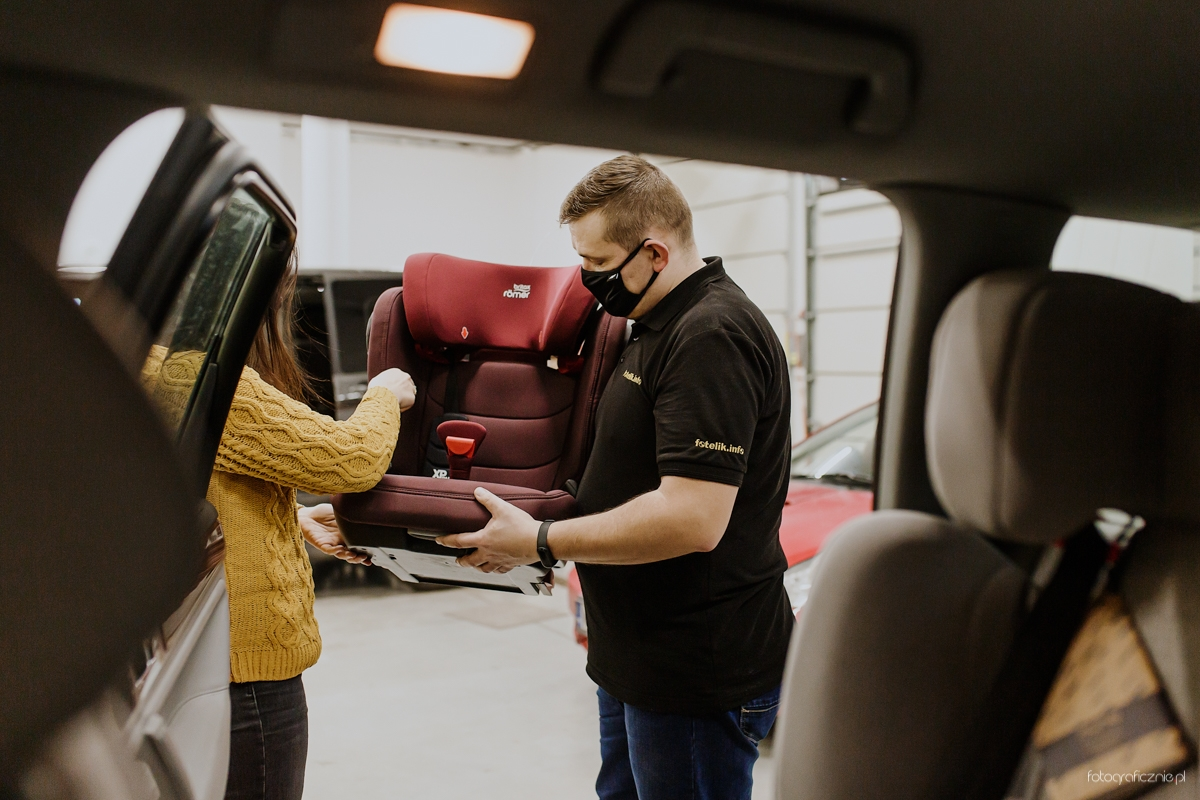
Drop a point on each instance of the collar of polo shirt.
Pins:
(666, 309)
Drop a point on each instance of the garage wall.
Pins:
(497, 200)
(754, 219)
(410, 191)
(856, 239)
(368, 196)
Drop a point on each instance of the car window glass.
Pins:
(847, 454)
(354, 300)
(197, 318)
(1157, 256)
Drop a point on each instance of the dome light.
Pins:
(454, 42)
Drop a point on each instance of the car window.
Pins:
(176, 274)
(817, 254)
(353, 303)
(112, 189)
(196, 320)
(354, 300)
(108, 196)
(844, 452)
(1157, 256)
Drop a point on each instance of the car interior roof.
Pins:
(1080, 105)
(1021, 113)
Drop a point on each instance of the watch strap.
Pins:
(543, 545)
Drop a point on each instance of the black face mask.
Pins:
(610, 290)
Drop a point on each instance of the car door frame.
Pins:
(202, 169)
(169, 231)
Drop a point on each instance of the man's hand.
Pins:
(509, 540)
(320, 528)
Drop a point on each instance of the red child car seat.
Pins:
(509, 363)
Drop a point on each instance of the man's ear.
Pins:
(660, 254)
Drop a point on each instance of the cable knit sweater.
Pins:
(273, 445)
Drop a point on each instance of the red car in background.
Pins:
(832, 472)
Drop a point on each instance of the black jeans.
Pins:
(268, 744)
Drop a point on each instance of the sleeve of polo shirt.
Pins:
(707, 407)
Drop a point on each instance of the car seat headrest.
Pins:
(1052, 395)
(457, 302)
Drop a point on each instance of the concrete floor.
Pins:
(451, 694)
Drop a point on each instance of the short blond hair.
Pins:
(632, 194)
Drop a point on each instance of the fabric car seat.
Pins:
(523, 351)
(1051, 395)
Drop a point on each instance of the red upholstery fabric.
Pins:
(453, 301)
(438, 506)
(540, 422)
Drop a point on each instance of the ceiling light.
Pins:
(456, 42)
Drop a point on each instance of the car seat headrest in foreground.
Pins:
(96, 512)
(1053, 394)
(457, 302)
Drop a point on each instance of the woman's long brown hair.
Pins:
(273, 354)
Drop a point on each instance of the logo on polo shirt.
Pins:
(519, 290)
(629, 376)
(721, 447)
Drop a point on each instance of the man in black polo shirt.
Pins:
(678, 554)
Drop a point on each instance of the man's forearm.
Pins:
(665, 523)
(681, 516)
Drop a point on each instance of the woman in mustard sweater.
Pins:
(272, 446)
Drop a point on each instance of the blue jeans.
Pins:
(268, 743)
(650, 756)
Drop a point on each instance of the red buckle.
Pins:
(460, 446)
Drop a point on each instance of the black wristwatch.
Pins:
(543, 545)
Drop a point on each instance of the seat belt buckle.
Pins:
(1118, 527)
(461, 438)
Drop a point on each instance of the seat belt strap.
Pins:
(1004, 724)
(451, 400)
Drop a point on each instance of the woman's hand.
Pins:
(320, 529)
(399, 383)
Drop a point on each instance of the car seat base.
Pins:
(411, 566)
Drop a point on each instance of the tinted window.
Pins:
(354, 300)
(198, 316)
